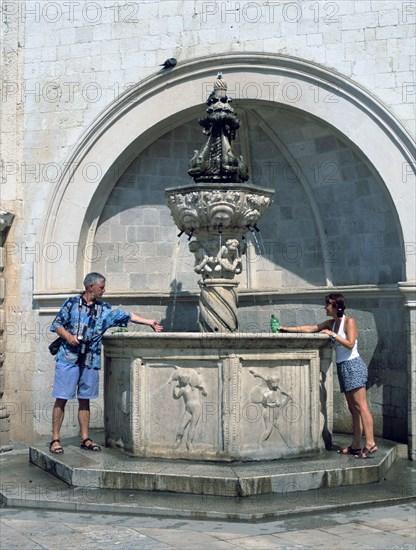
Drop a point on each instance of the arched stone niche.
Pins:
(331, 222)
(160, 103)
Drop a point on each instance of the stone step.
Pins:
(113, 469)
(24, 485)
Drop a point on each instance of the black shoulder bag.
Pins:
(56, 344)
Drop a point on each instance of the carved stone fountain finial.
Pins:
(217, 161)
(216, 211)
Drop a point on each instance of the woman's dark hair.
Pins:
(338, 301)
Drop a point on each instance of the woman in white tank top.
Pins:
(351, 369)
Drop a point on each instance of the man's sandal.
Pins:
(58, 450)
(348, 451)
(367, 451)
(91, 447)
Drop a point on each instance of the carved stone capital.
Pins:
(214, 207)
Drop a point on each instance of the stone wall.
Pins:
(67, 62)
(6, 219)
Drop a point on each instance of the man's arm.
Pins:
(62, 320)
(143, 321)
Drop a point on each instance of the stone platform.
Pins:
(22, 484)
(114, 469)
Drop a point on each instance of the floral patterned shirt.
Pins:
(90, 323)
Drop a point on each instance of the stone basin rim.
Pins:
(220, 340)
(222, 335)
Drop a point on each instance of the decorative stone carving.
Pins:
(188, 386)
(217, 397)
(218, 303)
(229, 258)
(204, 262)
(217, 161)
(218, 210)
(210, 209)
(270, 399)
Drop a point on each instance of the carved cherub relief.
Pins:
(188, 386)
(203, 261)
(269, 396)
(228, 257)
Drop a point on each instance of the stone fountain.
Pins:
(214, 412)
(217, 394)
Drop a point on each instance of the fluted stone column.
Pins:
(6, 219)
(408, 289)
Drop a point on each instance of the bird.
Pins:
(169, 63)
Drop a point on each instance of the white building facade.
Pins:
(94, 131)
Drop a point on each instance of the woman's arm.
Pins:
(308, 328)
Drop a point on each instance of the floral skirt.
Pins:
(352, 374)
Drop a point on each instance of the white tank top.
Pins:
(341, 352)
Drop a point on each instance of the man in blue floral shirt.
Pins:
(81, 323)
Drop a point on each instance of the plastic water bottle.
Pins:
(274, 323)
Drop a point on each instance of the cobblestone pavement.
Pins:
(385, 527)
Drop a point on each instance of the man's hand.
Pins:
(155, 326)
(70, 338)
(143, 321)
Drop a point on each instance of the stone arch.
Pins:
(158, 103)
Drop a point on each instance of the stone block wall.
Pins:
(66, 62)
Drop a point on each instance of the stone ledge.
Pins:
(49, 302)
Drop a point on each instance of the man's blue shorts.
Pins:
(69, 377)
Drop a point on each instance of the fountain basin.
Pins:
(218, 396)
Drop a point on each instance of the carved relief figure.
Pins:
(188, 384)
(229, 257)
(202, 259)
(270, 398)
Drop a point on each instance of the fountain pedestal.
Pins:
(218, 397)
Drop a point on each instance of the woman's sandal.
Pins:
(367, 451)
(348, 451)
(58, 450)
(91, 447)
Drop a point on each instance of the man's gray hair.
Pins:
(93, 279)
